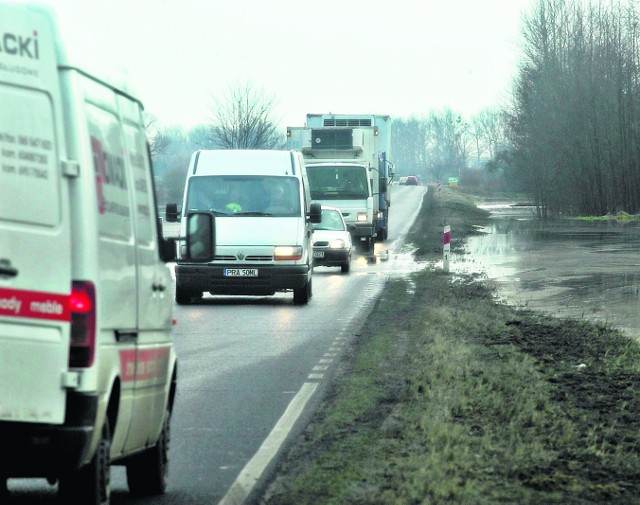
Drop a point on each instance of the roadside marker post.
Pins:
(446, 248)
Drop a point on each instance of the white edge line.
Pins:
(250, 474)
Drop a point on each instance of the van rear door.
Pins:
(35, 246)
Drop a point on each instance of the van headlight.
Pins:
(287, 252)
(361, 217)
(337, 243)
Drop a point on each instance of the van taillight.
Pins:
(83, 324)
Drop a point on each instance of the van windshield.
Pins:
(338, 182)
(246, 195)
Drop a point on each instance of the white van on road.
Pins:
(87, 364)
(263, 224)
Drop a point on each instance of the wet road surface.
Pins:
(566, 268)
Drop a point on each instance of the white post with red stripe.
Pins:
(446, 248)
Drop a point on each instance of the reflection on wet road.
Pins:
(565, 268)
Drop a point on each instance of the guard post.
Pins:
(446, 248)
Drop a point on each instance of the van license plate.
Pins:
(241, 272)
(318, 254)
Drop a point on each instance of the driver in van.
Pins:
(278, 202)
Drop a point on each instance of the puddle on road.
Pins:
(566, 268)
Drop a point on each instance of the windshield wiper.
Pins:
(252, 213)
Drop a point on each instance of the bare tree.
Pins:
(243, 119)
(158, 140)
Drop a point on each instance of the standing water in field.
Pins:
(566, 268)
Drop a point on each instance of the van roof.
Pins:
(244, 161)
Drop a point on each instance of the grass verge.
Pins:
(449, 397)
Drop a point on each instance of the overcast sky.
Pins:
(396, 57)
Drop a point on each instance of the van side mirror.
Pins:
(200, 239)
(315, 213)
(171, 213)
(384, 182)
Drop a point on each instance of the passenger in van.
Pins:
(235, 201)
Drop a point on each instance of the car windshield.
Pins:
(331, 220)
(338, 182)
(238, 196)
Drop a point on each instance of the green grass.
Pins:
(622, 217)
(468, 401)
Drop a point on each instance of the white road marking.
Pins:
(250, 474)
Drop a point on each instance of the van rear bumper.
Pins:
(41, 450)
(211, 278)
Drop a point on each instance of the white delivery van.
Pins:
(87, 364)
(263, 224)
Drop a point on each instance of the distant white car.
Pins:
(332, 246)
(402, 181)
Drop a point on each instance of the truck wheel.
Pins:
(302, 295)
(370, 245)
(90, 484)
(147, 473)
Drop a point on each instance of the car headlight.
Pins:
(337, 243)
(361, 217)
(287, 252)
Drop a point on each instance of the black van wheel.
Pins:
(301, 296)
(182, 297)
(91, 484)
(147, 473)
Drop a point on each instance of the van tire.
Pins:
(91, 484)
(345, 267)
(147, 473)
(183, 297)
(301, 296)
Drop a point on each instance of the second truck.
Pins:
(347, 159)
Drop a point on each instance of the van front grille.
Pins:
(229, 258)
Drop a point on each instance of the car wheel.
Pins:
(91, 484)
(302, 295)
(147, 473)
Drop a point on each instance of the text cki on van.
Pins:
(17, 45)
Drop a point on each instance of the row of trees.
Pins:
(574, 127)
(570, 138)
(443, 145)
(438, 146)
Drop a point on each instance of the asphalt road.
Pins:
(251, 372)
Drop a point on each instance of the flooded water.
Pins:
(566, 268)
